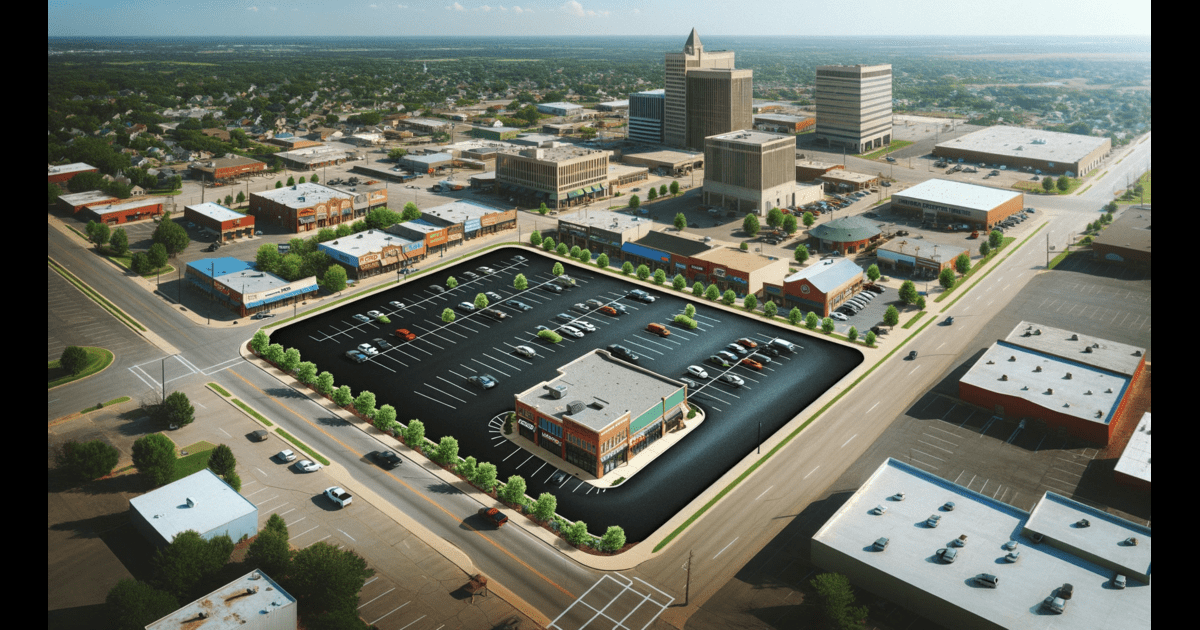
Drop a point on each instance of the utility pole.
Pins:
(687, 586)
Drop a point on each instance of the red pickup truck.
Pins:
(493, 516)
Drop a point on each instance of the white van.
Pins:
(784, 345)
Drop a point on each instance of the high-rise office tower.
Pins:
(646, 116)
(678, 65)
(854, 106)
(718, 101)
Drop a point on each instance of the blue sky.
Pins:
(595, 17)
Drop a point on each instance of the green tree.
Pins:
(466, 468)
(837, 600)
(577, 534)
(827, 325)
(801, 254)
(140, 263)
(698, 289)
(414, 434)
(343, 230)
(643, 272)
(447, 450)
(451, 282)
(273, 353)
(662, 190)
(795, 316)
(962, 264)
(808, 219)
(985, 249)
(278, 184)
(385, 418)
(485, 476)
(74, 359)
(1048, 183)
(394, 154)
(325, 383)
(328, 579)
(562, 249)
(652, 195)
(270, 552)
(520, 283)
(85, 461)
(574, 252)
(613, 539)
(634, 202)
(176, 410)
(920, 302)
(535, 238)
(712, 293)
(750, 225)
(674, 188)
(410, 212)
(908, 292)
(302, 180)
(891, 316)
(1064, 183)
(995, 238)
(259, 342)
(852, 334)
(602, 261)
(97, 233)
(769, 309)
(750, 302)
(946, 278)
(873, 273)
(544, 507)
(53, 192)
(189, 561)
(548, 244)
(221, 460)
(660, 277)
(557, 269)
(448, 315)
(382, 218)
(119, 243)
(627, 268)
(172, 235)
(728, 297)
(1110, 207)
(775, 217)
(513, 491)
(342, 396)
(679, 282)
(157, 256)
(789, 224)
(689, 310)
(584, 256)
(542, 209)
(133, 605)
(680, 221)
(811, 320)
(334, 279)
(291, 181)
(241, 196)
(229, 200)
(291, 360)
(870, 338)
(364, 403)
(325, 235)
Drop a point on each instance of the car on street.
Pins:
(553, 288)
(356, 356)
(367, 349)
(737, 350)
(386, 459)
(286, 455)
(381, 343)
(752, 364)
(608, 310)
(519, 305)
(492, 296)
(362, 318)
(525, 351)
(396, 304)
(838, 316)
(732, 379)
(306, 465)
(483, 381)
(466, 307)
(374, 314)
(697, 371)
(493, 516)
(912, 355)
(622, 352)
(405, 334)
(262, 315)
(572, 331)
(470, 275)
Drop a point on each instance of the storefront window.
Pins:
(580, 458)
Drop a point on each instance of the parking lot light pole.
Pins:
(760, 438)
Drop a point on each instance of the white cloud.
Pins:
(254, 9)
(573, 7)
(456, 7)
(401, 6)
(485, 8)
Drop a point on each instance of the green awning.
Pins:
(580, 192)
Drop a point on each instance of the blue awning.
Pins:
(645, 252)
(283, 296)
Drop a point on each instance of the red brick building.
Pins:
(305, 207)
(75, 202)
(222, 221)
(225, 168)
(820, 288)
(126, 210)
(62, 174)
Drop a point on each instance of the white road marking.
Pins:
(848, 441)
(811, 472)
(725, 547)
(763, 492)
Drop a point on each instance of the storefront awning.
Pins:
(307, 220)
(573, 194)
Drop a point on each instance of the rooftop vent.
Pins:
(1049, 390)
(1004, 377)
(191, 502)
(1068, 376)
(1099, 414)
(1083, 522)
(1137, 353)
(595, 404)
(1088, 349)
(1012, 358)
(575, 406)
(1038, 331)
(1074, 337)
(1037, 368)
(1096, 346)
(556, 391)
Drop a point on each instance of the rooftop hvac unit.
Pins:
(191, 502)
(575, 406)
(557, 391)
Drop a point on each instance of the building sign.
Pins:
(526, 424)
(368, 258)
(549, 438)
(456, 237)
(738, 280)
(771, 289)
(935, 207)
(436, 238)
(412, 247)
(486, 220)
(697, 268)
(578, 233)
(720, 273)
(681, 266)
(472, 225)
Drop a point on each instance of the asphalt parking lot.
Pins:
(427, 377)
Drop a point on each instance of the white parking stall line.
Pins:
(456, 385)
(413, 621)
(512, 453)
(390, 357)
(392, 611)
(540, 467)
(644, 340)
(488, 366)
(525, 462)
(564, 482)
(468, 367)
(523, 339)
(452, 332)
(634, 343)
(373, 360)
(928, 455)
(303, 532)
(580, 484)
(347, 535)
(436, 400)
(505, 353)
(380, 595)
(550, 475)
(414, 358)
(502, 362)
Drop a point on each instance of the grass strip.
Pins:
(914, 319)
(220, 390)
(96, 297)
(1061, 257)
(126, 261)
(970, 272)
(762, 460)
(115, 401)
(193, 462)
(253, 413)
(302, 446)
(98, 359)
(996, 266)
(896, 144)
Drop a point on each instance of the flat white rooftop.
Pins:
(242, 601)
(1034, 144)
(302, 195)
(363, 243)
(1094, 351)
(214, 503)
(1135, 459)
(751, 137)
(215, 211)
(963, 195)
(69, 168)
(605, 219)
(909, 562)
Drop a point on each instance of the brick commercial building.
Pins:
(1127, 239)
(75, 202)
(435, 238)
(783, 123)
(602, 232)
(305, 207)
(367, 197)
(678, 66)
(600, 412)
(940, 202)
(809, 171)
(819, 288)
(854, 106)
(62, 174)
(495, 133)
(841, 180)
(242, 288)
(126, 210)
(718, 102)
(731, 268)
(1063, 378)
(292, 143)
(228, 167)
(659, 250)
(1028, 149)
(919, 258)
(750, 171)
(373, 252)
(427, 163)
(1133, 468)
(473, 219)
(666, 161)
(559, 177)
(219, 220)
(848, 235)
(312, 158)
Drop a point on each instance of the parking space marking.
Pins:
(380, 595)
(502, 362)
(917, 461)
(646, 348)
(392, 358)
(934, 437)
(303, 532)
(488, 366)
(928, 455)
(392, 611)
(413, 621)
(456, 385)
(443, 392)
(436, 400)
(525, 462)
(514, 453)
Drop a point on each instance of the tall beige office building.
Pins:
(753, 171)
(718, 101)
(678, 65)
(854, 106)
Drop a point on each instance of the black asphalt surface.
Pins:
(427, 378)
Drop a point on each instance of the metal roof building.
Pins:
(201, 502)
(1050, 151)
(949, 201)
(1133, 468)
(827, 275)
(251, 602)
(1060, 542)
(847, 234)
(242, 287)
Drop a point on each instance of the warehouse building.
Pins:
(290, 142)
(304, 207)
(312, 158)
(495, 133)
(1028, 149)
(559, 109)
(1065, 379)
(201, 502)
(940, 201)
(1127, 239)
(602, 232)
(63, 173)
(559, 177)
(251, 602)
(426, 163)
(750, 171)
(848, 235)
(613, 106)
(810, 170)
(600, 412)
(820, 288)
(665, 161)
(75, 202)
(373, 252)
(474, 219)
(222, 222)
(841, 180)
(1133, 468)
(126, 210)
(242, 288)
(918, 258)
(623, 176)
(427, 125)
(873, 541)
(223, 169)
